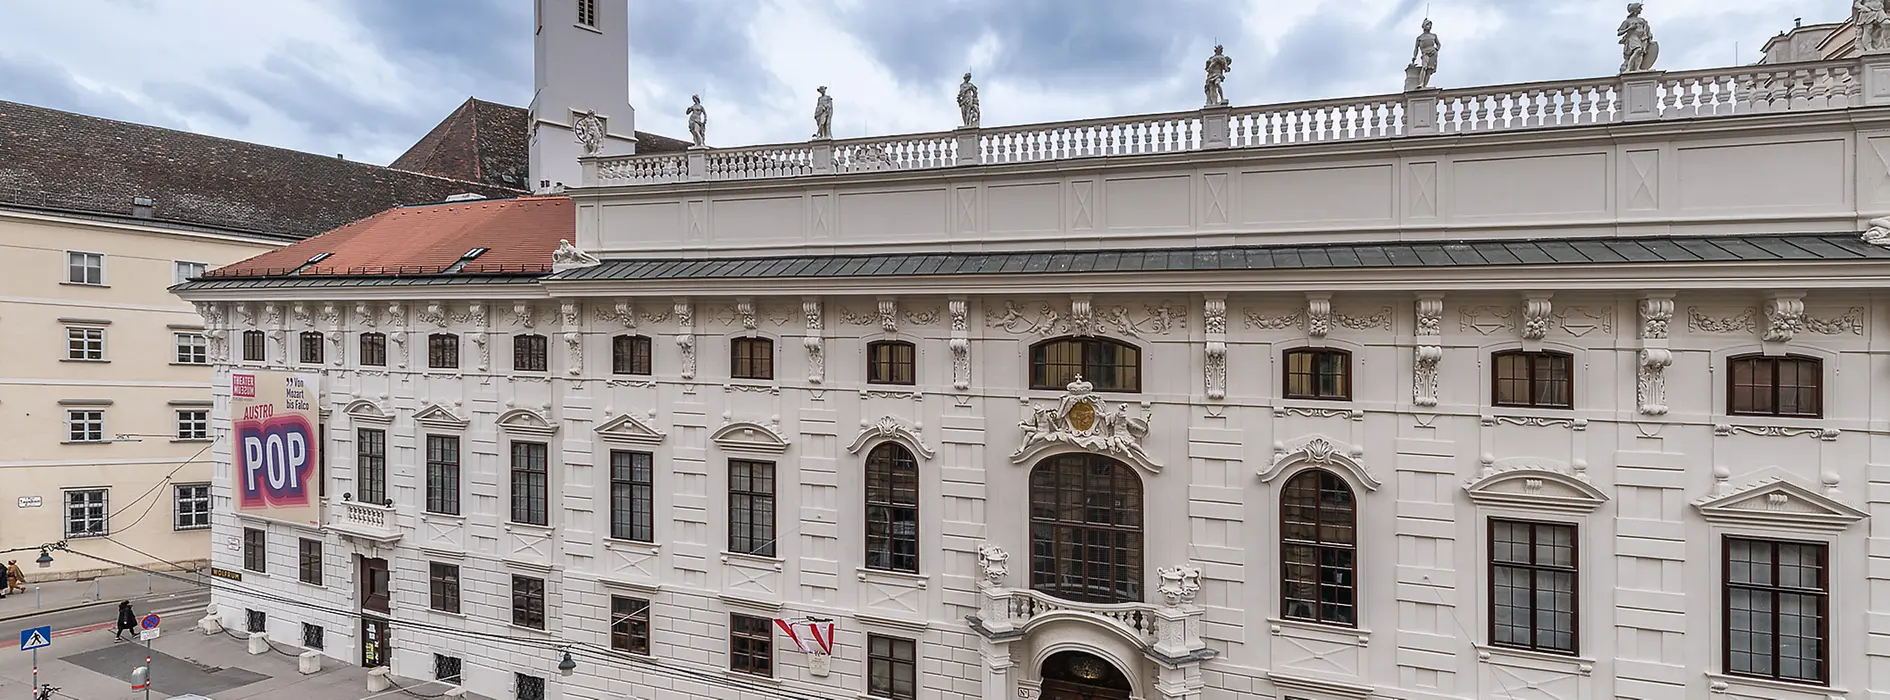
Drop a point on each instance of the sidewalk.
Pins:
(54, 596)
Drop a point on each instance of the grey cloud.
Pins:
(32, 81)
(293, 83)
(467, 46)
(696, 43)
(188, 99)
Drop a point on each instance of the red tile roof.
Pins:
(519, 235)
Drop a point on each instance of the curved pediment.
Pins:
(1535, 485)
(365, 410)
(1777, 503)
(743, 436)
(890, 429)
(439, 417)
(629, 429)
(524, 421)
(1320, 451)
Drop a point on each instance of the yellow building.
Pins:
(104, 374)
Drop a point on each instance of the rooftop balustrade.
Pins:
(1631, 97)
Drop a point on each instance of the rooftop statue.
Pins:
(1873, 25)
(968, 103)
(1217, 67)
(698, 122)
(1638, 48)
(1424, 59)
(823, 115)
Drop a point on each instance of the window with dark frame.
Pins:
(632, 496)
(630, 354)
(443, 474)
(443, 587)
(751, 358)
(528, 687)
(1086, 529)
(313, 636)
(630, 625)
(374, 349)
(1790, 386)
(1776, 614)
(892, 669)
(1318, 535)
(311, 345)
(1318, 374)
(370, 464)
(751, 507)
(531, 484)
(255, 550)
(192, 507)
(529, 353)
(309, 562)
(892, 509)
(255, 346)
(442, 351)
(891, 362)
(1108, 365)
(87, 513)
(1534, 586)
(447, 668)
(751, 645)
(1543, 379)
(528, 602)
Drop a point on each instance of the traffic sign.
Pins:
(35, 638)
(149, 622)
(147, 634)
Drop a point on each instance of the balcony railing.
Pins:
(364, 520)
(1654, 95)
(1171, 630)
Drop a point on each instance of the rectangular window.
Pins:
(443, 351)
(255, 621)
(370, 464)
(891, 667)
(1319, 374)
(310, 562)
(751, 507)
(443, 474)
(530, 484)
(1776, 386)
(1533, 379)
(255, 550)
(193, 425)
(85, 268)
(443, 587)
(311, 342)
(890, 362)
(630, 354)
(1776, 615)
(528, 602)
(312, 636)
(191, 507)
(751, 644)
(1533, 586)
(187, 271)
(86, 513)
(85, 426)
(447, 668)
(631, 496)
(85, 344)
(528, 353)
(373, 350)
(751, 358)
(630, 625)
(587, 13)
(253, 346)
(528, 687)
(192, 350)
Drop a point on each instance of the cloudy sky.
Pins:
(368, 77)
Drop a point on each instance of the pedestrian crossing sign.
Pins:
(35, 638)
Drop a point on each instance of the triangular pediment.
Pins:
(743, 436)
(1535, 487)
(629, 429)
(365, 410)
(1778, 503)
(439, 417)
(524, 421)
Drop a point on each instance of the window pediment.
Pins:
(1534, 485)
(365, 410)
(440, 418)
(524, 421)
(1777, 503)
(1320, 451)
(743, 436)
(629, 429)
(894, 429)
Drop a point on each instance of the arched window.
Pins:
(1543, 379)
(1318, 530)
(892, 509)
(890, 362)
(1792, 385)
(751, 358)
(1086, 529)
(1318, 374)
(1109, 365)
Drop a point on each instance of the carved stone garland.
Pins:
(397, 332)
(1082, 321)
(1214, 318)
(1784, 317)
(1318, 315)
(331, 317)
(481, 334)
(272, 321)
(816, 354)
(1085, 421)
(1651, 387)
(888, 315)
(215, 350)
(686, 337)
(960, 345)
(1536, 311)
(1429, 351)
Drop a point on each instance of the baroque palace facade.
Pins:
(1547, 391)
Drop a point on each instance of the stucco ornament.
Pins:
(816, 352)
(1872, 18)
(993, 565)
(1638, 48)
(590, 132)
(1429, 350)
(568, 255)
(823, 115)
(1084, 420)
(1423, 59)
(1877, 232)
(1218, 66)
(1784, 317)
(960, 345)
(1179, 584)
(968, 103)
(698, 122)
(1214, 316)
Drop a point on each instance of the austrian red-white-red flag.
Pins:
(810, 635)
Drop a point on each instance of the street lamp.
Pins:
(568, 664)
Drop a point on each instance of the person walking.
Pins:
(16, 579)
(127, 620)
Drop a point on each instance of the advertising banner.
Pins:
(274, 446)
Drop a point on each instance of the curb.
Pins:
(91, 604)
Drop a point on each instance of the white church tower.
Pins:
(580, 62)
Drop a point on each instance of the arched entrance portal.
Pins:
(1076, 675)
